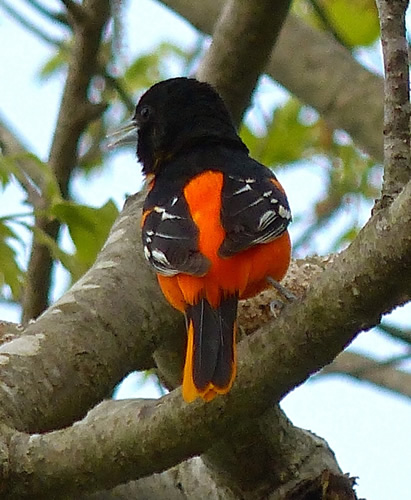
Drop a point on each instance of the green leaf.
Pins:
(88, 227)
(10, 272)
(147, 68)
(68, 261)
(55, 64)
(287, 139)
(356, 21)
(28, 167)
(4, 172)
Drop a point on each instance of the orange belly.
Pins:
(244, 273)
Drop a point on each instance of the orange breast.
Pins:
(244, 273)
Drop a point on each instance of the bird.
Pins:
(214, 222)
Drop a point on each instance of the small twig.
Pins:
(395, 360)
(363, 368)
(15, 217)
(397, 167)
(111, 81)
(24, 161)
(116, 85)
(52, 16)
(396, 332)
(34, 197)
(29, 26)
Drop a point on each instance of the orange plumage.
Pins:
(245, 273)
(214, 223)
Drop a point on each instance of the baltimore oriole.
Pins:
(214, 223)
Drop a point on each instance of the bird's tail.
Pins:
(210, 365)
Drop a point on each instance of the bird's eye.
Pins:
(145, 113)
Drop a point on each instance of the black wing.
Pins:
(170, 239)
(254, 210)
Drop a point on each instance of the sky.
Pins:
(366, 427)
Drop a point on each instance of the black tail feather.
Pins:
(213, 349)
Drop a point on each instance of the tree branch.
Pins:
(354, 105)
(75, 113)
(397, 165)
(245, 31)
(90, 338)
(9, 331)
(14, 13)
(396, 332)
(369, 278)
(89, 441)
(76, 12)
(48, 13)
(366, 369)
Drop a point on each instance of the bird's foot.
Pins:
(276, 305)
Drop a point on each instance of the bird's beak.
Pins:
(125, 135)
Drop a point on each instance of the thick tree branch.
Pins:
(89, 441)
(108, 324)
(302, 61)
(75, 113)
(367, 279)
(245, 31)
(244, 464)
(193, 478)
(104, 349)
(397, 165)
(9, 331)
(265, 456)
(369, 370)
(115, 310)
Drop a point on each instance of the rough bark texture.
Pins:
(397, 165)
(75, 344)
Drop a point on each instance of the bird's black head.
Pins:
(176, 114)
